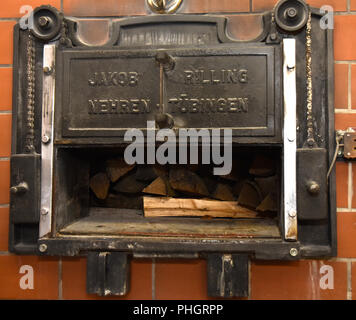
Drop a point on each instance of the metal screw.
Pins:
(45, 138)
(44, 211)
(289, 67)
(349, 153)
(42, 247)
(293, 252)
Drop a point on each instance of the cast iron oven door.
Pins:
(74, 102)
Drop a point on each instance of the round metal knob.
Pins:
(291, 15)
(164, 6)
(313, 188)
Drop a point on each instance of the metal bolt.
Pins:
(290, 68)
(47, 70)
(291, 13)
(313, 187)
(349, 153)
(43, 21)
(44, 211)
(42, 247)
(339, 153)
(293, 252)
(273, 36)
(292, 214)
(45, 138)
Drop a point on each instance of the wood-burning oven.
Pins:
(72, 193)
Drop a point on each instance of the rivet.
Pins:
(44, 212)
(47, 70)
(293, 252)
(45, 138)
(292, 214)
(43, 21)
(273, 36)
(42, 247)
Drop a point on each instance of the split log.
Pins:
(187, 182)
(262, 166)
(158, 186)
(100, 184)
(250, 195)
(121, 201)
(129, 184)
(116, 168)
(146, 173)
(269, 204)
(172, 207)
(223, 192)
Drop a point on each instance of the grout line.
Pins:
(153, 278)
(349, 100)
(6, 112)
(352, 111)
(349, 280)
(60, 289)
(61, 6)
(349, 189)
(5, 65)
(5, 253)
(345, 210)
(9, 19)
(4, 158)
(251, 6)
(348, 6)
(345, 61)
(5, 205)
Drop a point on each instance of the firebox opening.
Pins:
(97, 193)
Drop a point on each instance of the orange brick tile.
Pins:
(297, 280)
(338, 5)
(45, 277)
(6, 88)
(104, 7)
(4, 182)
(353, 86)
(74, 280)
(5, 135)
(244, 27)
(181, 280)
(6, 31)
(346, 234)
(342, 172)
(344, 121)
(354, 185)
(345, 42)
(4, 228)
(11, 8)
(194, 6)
(353, 5)
(341, 86)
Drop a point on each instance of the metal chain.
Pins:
(310, 125)
(31, 62)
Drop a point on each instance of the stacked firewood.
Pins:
(191, 190)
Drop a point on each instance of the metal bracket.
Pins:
(49, 54)
(290, 143)
(228, 275)
(108, 273)
(346, 144)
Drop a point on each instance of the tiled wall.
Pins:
(64, 278)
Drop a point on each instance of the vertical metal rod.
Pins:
(161, 86)
(290, 137)
(48, 90)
